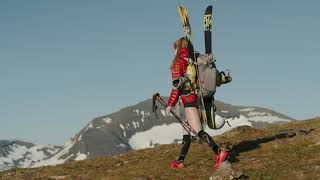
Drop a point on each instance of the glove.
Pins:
(228, 76)
(225, 77)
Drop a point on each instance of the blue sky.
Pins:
(62, 63)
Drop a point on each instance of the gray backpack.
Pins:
(208, 78)
(207, 75)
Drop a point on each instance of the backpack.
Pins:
(207, 75)
(208, 79)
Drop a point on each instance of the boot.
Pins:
(176, 164)
(221, 158)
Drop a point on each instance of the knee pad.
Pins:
(186, 138)
(202, 133)
(204, 136)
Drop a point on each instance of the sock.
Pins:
(185, 147)
(207, 138)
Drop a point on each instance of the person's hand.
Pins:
(168, 108)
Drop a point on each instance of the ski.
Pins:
(211, 72)
(186, 29)
(207, 22)
(185, 21)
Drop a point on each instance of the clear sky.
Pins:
(62, 63)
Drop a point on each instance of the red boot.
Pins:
(216, 157)
(222, 157)
(176, 164)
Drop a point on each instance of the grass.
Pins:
(262, 154)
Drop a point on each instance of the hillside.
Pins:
(287, 151)
(131, 128)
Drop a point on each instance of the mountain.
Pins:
(23, 154)
(136, 127)
(285, 151)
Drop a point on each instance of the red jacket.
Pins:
(179, 70)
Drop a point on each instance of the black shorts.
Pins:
(191, 104)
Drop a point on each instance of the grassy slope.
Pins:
(260, 155)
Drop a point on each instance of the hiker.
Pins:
(184, 86)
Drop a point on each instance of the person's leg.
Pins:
(186, 141)
(193, 118)
(194, 121)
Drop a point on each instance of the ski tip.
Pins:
(209, 8)
(181, 6)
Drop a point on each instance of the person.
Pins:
(184, 86)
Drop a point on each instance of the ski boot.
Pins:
(220, 159)
(176, 164)
(216, 157)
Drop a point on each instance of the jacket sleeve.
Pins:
(174, 97)
(177, 72)
(175, 93)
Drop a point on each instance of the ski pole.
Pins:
(161, 101)
(184, 124)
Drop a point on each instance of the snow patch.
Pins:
(89, 126)
(268, 119)
(122, 145)
(164, 134)
(23, 157)
(167, 134)
(80, 137)
(80, 156)
(142, 118)
(259, 114)
(246, 109)
(135, 124)
(122, 127)
(127, 125)
(57, 158)
(107, 120)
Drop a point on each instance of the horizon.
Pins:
(62, 62)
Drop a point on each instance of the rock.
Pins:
(227, 172)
